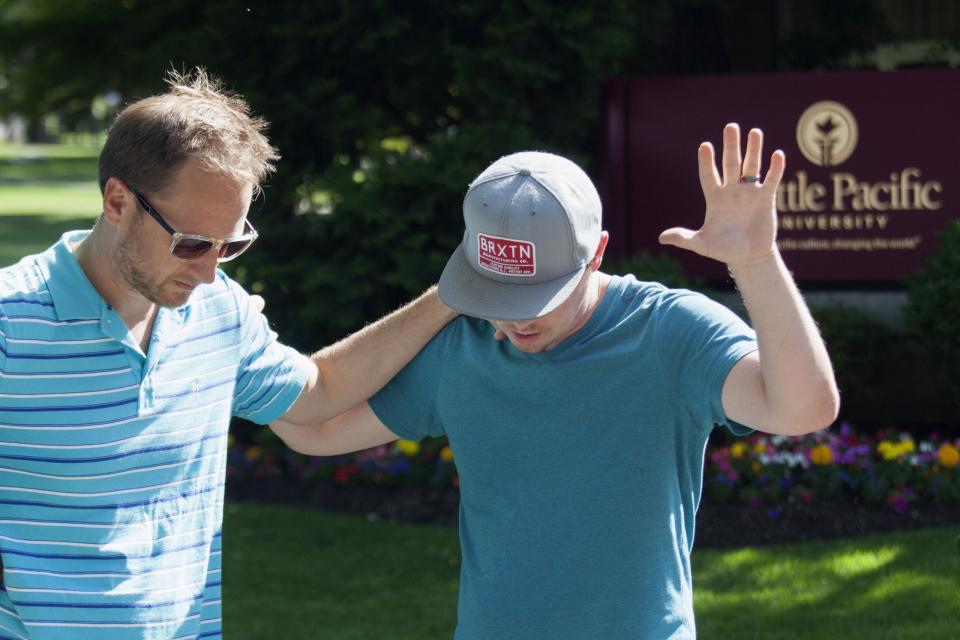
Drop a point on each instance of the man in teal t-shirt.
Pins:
(578, 404)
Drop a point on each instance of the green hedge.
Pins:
(934, 307)
(652, 268)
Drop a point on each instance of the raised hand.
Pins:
(740, 224)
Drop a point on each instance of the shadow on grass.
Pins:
(22, 235)
(303, 573)
(45, 170)
(886, 586)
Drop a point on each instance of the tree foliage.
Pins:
(383, 110)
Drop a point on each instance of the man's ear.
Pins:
(116, 200)
(601, 247)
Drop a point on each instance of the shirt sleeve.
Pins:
(270, 375)
(407, 405)
(699, 342)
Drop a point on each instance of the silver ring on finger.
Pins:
(749, 179)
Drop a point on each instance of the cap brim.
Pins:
(463, 289)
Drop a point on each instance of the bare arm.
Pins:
(787, 386)
(354, 430)
(792, 391)
(356, 367)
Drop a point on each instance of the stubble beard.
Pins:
(139, 279)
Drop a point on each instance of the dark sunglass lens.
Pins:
(189, 248)
(234, 248)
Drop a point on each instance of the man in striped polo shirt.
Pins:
(124, 352)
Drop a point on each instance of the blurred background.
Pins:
(383, 112)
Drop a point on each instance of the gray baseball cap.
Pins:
(532, 227)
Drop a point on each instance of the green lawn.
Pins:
(318, 575)
(44, 191)
(897, 586)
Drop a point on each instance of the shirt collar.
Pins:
(74, 297)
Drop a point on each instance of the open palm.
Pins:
(740, 224)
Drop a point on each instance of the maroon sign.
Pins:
(871, 168)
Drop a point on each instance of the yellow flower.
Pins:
(408, 448)
(756, 466)
(948, 455)
(893, 450)
(890, 453)
(821, 455)
(253, 453)
(738, 450)
(446, 454)
(760, 447)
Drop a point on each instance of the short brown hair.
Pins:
(196, 118)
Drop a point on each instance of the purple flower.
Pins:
(898, 502)
(400, 466)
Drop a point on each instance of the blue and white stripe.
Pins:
(112, 461)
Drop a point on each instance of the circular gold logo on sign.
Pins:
(827, 133)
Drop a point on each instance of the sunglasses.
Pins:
(189, 246)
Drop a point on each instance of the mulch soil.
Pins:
(718, 525)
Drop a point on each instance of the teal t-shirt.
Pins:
(581, 467)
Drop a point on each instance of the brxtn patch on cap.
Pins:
(506, 256)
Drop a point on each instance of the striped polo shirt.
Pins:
(112, 461)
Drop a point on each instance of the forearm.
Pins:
(353, 430)
(797, 377)
(353, 369)
(309, 439)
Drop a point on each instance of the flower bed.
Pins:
(400, 464)
(765, 472)
(890, 468)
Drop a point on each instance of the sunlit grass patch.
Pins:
(44, 191)
(883, 586)
(59, 199)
